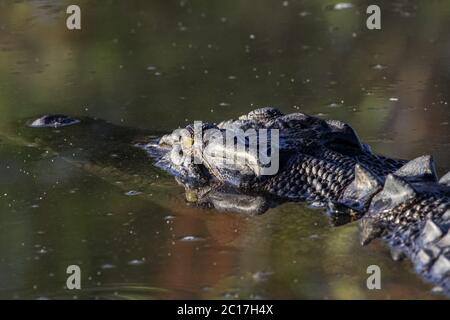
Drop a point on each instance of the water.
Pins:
(158, 65)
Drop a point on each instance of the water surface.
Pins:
(157, 65)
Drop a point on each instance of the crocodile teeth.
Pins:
(445, 179)
(395, 192)
(358, 193)
(419, 169)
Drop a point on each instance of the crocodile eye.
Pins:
(177, 155)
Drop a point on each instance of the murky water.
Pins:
(157, 65)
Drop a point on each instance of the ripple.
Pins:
(113, 291)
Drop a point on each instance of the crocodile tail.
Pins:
(412, 214)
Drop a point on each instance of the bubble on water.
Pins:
(261, 275)
(191, 239)
(335, 105)
(107, 266)
(136, 262)
(232, 77)
(343, 6)
(379, 66)
(437, 289)
(252, 36)
(133, 193)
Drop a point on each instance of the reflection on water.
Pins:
(159, 64)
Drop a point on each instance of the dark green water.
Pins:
(157, 65)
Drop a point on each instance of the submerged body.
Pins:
(322, 162)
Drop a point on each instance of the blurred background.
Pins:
(161, 64)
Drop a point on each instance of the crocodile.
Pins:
(321, 162)
(325, 163)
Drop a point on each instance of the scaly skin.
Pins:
(322, 162)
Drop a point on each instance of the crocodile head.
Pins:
(201, 153)
(247, 152)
